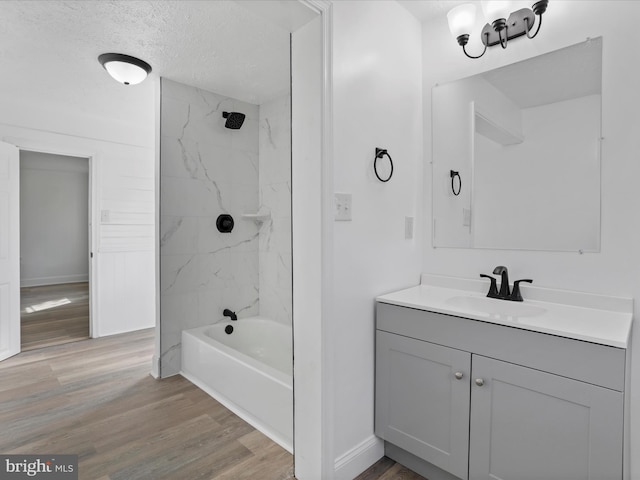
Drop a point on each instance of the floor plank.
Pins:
(387, 469)
(53, 314)
(95, 398)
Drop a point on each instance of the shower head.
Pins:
(234, 120)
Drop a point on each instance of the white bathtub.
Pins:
(248, 371)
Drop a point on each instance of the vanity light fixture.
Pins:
(124, 68)
(504, 25)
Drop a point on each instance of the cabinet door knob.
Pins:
(479, 382)
(458, 375)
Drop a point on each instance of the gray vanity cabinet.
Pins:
(481, 401)
(423, 400)
(527, 424)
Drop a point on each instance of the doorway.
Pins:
(54, 249)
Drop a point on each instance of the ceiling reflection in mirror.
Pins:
(525, 142)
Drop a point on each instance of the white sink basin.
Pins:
(495, 307)
(577, 315)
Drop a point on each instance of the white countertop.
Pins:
(581, 316)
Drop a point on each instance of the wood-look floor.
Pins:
(53, 315)
(387, 469)
(95, 398)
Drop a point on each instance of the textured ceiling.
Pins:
(49, 49)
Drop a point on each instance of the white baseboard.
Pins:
(56, 280)
(359, 458)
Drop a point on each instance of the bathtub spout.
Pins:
(228, 313)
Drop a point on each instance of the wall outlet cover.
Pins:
(466, 217)
(408, 228)
(342, 207)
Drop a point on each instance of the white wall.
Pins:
(525, 181)
(455, 104)
(54, 219)
(613, 271)
(121, 152)
(377, 102)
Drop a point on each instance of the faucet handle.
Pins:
(493, 288)
(515, 293)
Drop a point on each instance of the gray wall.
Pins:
(54, 223)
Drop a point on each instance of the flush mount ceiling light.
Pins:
(124, 68)
(504, 25)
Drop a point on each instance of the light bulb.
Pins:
(461, 19)
(495, 9)
(126, 73)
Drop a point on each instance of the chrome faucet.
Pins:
(504, 293)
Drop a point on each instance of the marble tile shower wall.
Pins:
(275, 198)
(205, 170)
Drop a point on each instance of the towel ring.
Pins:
(381, 152)
(453, 175)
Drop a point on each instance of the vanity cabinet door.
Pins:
(532, 425)
(422, 400)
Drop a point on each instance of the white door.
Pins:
(9, 250)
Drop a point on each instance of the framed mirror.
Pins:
(516, 154)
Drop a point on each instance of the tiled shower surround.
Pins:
(275, 198)
(207, 170)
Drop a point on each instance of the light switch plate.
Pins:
(343, 207)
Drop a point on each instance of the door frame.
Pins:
(314, 445)
(9, 251)
(92, 158)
